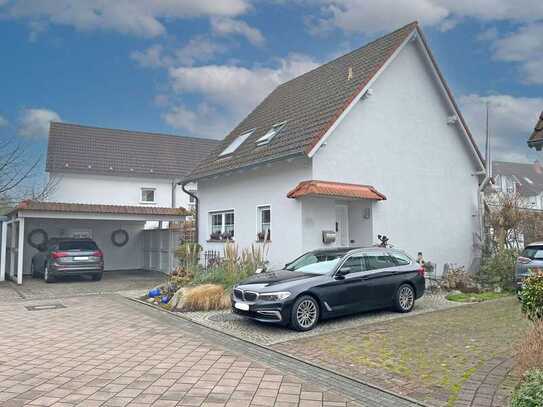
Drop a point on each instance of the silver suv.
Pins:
(530, 261)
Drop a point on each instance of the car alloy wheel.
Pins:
(406, 298)
(306, 314)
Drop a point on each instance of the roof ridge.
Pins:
(413, 23)
(133, 131)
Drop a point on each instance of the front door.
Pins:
(342, 225)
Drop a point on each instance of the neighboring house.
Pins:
(536, 138)
(520, 179)
(93, 165)
(369, 143)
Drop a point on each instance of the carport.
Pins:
(119, 231)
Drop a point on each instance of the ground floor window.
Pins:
(221, 225)
(264, 223)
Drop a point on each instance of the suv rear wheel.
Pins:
(48, 277)
(35, 273)
(304, 314)
(97, 277)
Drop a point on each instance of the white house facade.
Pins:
(370, 143)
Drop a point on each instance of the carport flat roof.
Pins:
(30, 208)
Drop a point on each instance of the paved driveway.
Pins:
(112, 281)
(93, 350)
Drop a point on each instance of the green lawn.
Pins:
(477, 297)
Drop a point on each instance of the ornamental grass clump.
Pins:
(205, 297)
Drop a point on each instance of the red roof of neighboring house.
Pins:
(29, 205)
(335, 189)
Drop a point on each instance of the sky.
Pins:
(197, 67)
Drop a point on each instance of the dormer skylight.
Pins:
(238, 141)
(266, 138)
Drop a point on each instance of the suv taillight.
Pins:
(98, 253)
(524, 260)
(58, 255)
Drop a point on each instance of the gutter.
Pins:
(196, 207)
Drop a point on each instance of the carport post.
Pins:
(12, 251)
(3, 251)
(20, 250)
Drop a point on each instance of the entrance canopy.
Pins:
(43, 213)
(335, 190)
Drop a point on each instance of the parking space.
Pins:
(128, 281)
(265, 334)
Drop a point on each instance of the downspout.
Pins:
(196, 208)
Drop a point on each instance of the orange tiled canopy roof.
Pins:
(335, 189)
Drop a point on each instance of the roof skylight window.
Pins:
(238, 141)
(266, 138)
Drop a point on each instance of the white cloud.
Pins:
(135, 17)
(230, 92)
(512, 120)
(376, 16)
(35, 122)
(237, 88)
(523, 46)
(204, 121)
(198, 49)
(3, 121)
(227, 26)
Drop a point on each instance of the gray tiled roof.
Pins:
(522, 173)
(94, 150)
(536, 138)
(309, 103)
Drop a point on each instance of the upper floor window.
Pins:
(233, 146)
(148, 195)
(264, 223)
(266, 138)
(221, 225)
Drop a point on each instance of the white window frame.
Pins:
(142, 190)
(271, 133)
(222, 213)
(259, 220)
(236, 143)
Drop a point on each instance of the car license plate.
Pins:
(81, 258)
(242, 306)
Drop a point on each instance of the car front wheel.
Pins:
(304, 314)
(404, 300)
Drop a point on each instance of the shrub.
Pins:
(532, 297)
(530, 353)
(205, 297)
(188, 254)
(457, 278)
(498, 271)
(221, 275)
(529, 393)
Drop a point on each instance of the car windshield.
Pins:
(321, 263)
(77, 245)
(533, 252)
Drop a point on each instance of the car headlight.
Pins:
(274, 296)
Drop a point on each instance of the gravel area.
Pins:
(264, 334)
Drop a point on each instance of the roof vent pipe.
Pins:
(350, 73)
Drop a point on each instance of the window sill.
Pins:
(147, 203)
(262, 241)
(219, 241)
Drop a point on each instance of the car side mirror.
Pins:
(286, 266)
(342, 272)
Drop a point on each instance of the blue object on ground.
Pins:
(155, 292)
(165, 299)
